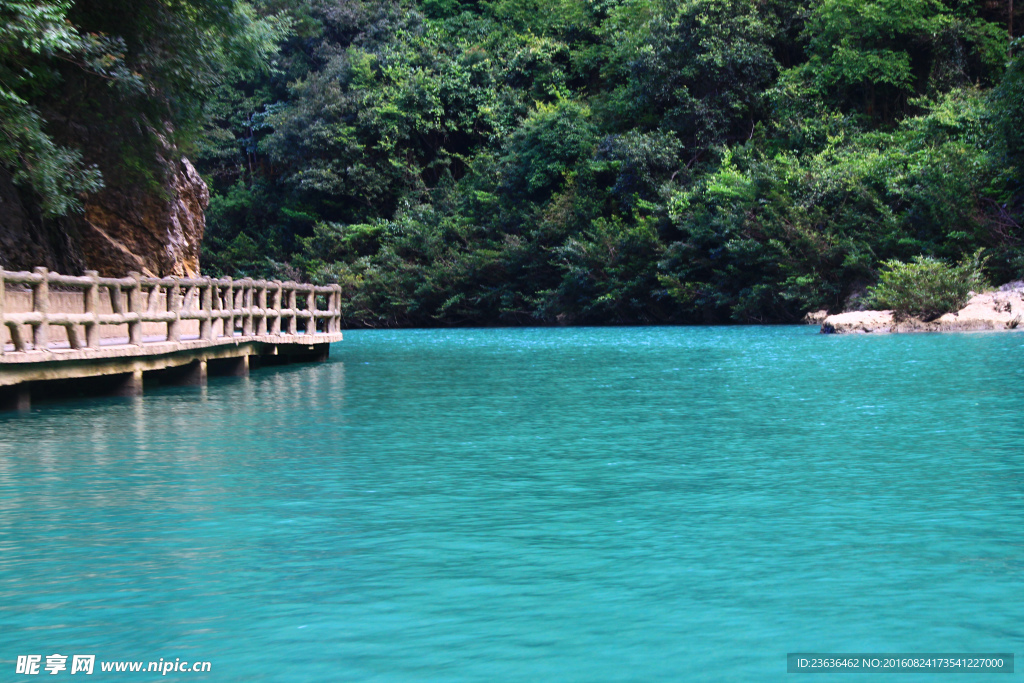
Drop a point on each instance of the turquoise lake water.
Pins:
(624, 504)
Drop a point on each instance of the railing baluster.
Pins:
(336, 309)
(206, 323)
(218, 305)
(135, 307)
(293, 304)
(17, 338)
(74, 338)
(275, 322)
(41, 305)
(229, 303)
(311, 307)
(154, 299)
(116, 299)
(92, 305)
(247, 306)
(174, 308)
(261, 303)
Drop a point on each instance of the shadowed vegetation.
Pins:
(575, 161)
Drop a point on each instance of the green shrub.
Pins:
(927, 287)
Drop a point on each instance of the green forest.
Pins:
(517, 162)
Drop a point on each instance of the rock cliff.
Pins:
(157, 231)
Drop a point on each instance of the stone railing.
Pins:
(223, 308)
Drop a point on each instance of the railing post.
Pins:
(174, 307)
(229, 304)
(17, 339)
(247, 303)
(134, 307)
(293, 302)
(311, 307)
(336, 308)
(218, 305)
(206, 304)
(92, 306)
(41, 304)
(240, 299)
(261, 303)
(275, 323)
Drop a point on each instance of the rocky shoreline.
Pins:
(1002, 309)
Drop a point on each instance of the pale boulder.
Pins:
(997, 310)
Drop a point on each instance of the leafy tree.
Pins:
(875, 55)
(695, 67)
(94, 90)
(31, 33)
(616, 161)
(927, 287)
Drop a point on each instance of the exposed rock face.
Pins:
(27, 240)
(815, 317)
(154, 232)
(126, 230)
(998, 310)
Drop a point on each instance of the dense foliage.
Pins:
(573, 161)
(93, 90)
(927, 287)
